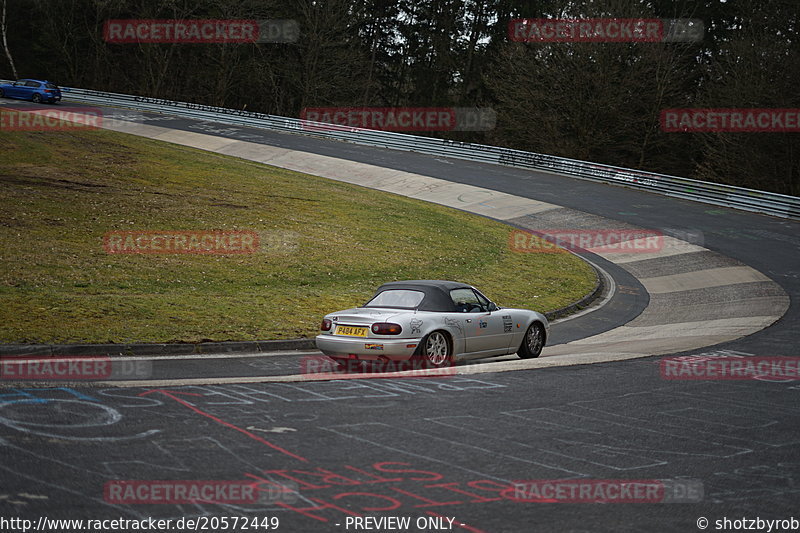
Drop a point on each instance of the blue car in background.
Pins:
(35, 90)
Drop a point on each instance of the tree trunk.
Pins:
(3, 27)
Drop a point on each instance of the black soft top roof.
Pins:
(437, 293)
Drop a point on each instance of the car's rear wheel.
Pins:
(533, 342)
(436, 350)
(37, 98)
(2, 93)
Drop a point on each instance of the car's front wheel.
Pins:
(436, 350)
(532, 343)
(2, 93)
(37, 98)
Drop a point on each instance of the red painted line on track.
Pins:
(170, 394)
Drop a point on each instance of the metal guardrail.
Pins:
(779, 205)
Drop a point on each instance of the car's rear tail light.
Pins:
(326, 325)
(49, 91)
(386, 328)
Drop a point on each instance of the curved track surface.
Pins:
(453, 446)
(680, 297)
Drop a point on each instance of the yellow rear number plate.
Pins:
(352, 331)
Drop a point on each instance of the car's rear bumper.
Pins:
(367, 349)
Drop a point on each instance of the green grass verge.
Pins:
(325, 245)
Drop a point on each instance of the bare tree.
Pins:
(596, 101)
(757, 68)
(3, 26)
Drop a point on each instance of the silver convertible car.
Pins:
(434, 323)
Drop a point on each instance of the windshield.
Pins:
(405, 299)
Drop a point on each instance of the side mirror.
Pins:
(492, 307)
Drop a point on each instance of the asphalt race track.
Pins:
(453, 447)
